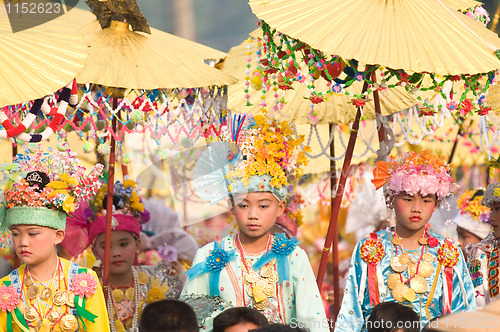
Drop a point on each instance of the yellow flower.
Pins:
(68, 179)
(137, 206)
(129, 183)
(154, 295)
(57, 185)
(69, 204)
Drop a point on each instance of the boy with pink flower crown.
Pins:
(408, 263)
(47, 293)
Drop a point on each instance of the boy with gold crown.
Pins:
(483, 257)
(47, 293)
(408, 263)
(254, 268)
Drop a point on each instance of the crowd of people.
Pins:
(401, 278)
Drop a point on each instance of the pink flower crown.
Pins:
(422, 173)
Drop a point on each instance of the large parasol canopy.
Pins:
(37, 61)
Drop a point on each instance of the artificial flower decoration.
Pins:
(156, 292)
(372, 251)
(432, 242)
(9, 298)
(282, 247)
(84, 284)
(448, 254)
(215, 262)
(126, 200)
(267, 147)
(422, 173)
(473, 206)
(53, 179)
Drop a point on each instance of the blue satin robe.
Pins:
(356, 307)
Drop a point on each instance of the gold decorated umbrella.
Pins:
(408, 39)
(417, 36)
(337, 109)
(37, 61)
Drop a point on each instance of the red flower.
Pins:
(455, 78)
(484, 110)
(432, 242)
(426, 111)
(358, 102)
(465, 106)
(316, 99)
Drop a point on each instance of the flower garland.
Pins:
(283, 56)
(472, 206)
(266, 147)
(53, 180)
(422, 173)
(126, 200)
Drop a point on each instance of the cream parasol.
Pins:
(37, 61)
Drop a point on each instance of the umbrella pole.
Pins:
(333, 189)
(376, 100)
(460, 132)
(332, 236)
(109, 201)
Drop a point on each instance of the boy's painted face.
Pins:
(495, 218)
(256, 213)
(413, 212)
(122, 253)
(35, 244)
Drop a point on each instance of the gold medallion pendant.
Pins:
(261, 305)
(405, 259)
(68, 323)
(423, 241)
(418, 284)
(270, 291)
(32, 292)
(273, 278)
(412, 269)
(261, 283)
(118, 295)
(143, 278)
(28, 282)
(394, 280)
(251, 277)
(129, 293)
(266, 271)
(428, 257)
(396, 240)
(53, 316)
(59, 298)
(399, 291)
(45, 293)
(30, 314)
(425, 269)
(396, 264)
(70, 299)
(250, 291)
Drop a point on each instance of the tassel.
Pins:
(73, 99)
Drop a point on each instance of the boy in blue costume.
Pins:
(254, 268)
(408, 263)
